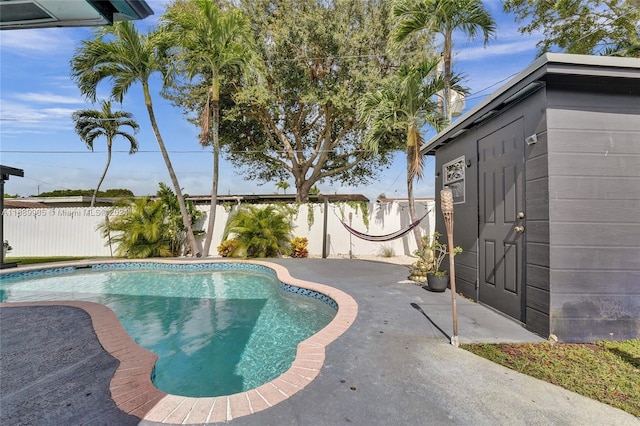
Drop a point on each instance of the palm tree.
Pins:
(443, 17)
(260, 232)
(91, 124)
(213, 44)
(122, 56)
(150, 228)
(404, 106)
(283, 185)
(173, 216)
(143, 231)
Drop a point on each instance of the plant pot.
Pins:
(437, 284)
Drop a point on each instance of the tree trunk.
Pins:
(186, 218)
(447, 75)
(302, 185)
(95, 193)
(216, 161)
(412, 206)
(302, 191)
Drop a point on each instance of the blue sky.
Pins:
(37, 98)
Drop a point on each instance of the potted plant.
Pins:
(427, 268)
(6, 248)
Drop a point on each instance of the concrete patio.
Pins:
(394, 366)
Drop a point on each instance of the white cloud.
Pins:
(12, 111)
(19, 119)
(497, 49)
(48, 98)
(59, 112)
(18, 112)
(48, 41)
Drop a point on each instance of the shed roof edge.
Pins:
(541, 66)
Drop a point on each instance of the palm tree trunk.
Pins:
(412, 207)
(447, 75)
(214, 201)
(186, 218)
(216, 162)
(95, 193)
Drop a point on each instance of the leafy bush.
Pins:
(261, 232)
(228, 247)
(141, 232)
(300, 247)
(150, 228)
(434, 252)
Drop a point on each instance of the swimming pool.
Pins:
(217, 328)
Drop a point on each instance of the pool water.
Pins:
(216, 332)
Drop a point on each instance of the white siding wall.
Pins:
(74, 231)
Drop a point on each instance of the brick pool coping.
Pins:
(131, 387)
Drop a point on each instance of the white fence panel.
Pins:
(383, 218)
(57, 231)
(74, 231)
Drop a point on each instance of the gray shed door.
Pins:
(501, 199)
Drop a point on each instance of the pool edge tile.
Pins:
(239, 405)
(181, 413)
(200, 411)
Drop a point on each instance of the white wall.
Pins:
(74, 231)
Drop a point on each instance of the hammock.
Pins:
(383, 238)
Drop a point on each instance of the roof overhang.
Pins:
(6, 171)
(20, 14)
(529, 81)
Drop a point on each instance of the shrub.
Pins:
(300, 247)
(260, 231)
(434, 252)
(142, 232)
(228, 247)
(150, 228)
(386, 251)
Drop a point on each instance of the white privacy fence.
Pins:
(73, 231)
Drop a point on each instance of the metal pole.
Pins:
(106, 217)
(324, 232)
(446, 204)
(350, 243)
(2, 217)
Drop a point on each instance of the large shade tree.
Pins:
(405, 105)
(298, 122)
(91, 124)
(610, 27)
(211, 44)
(443, 17)
(123, 57)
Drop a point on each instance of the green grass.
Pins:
(31, 260)
(608, 372)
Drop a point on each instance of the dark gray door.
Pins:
(501, 202)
